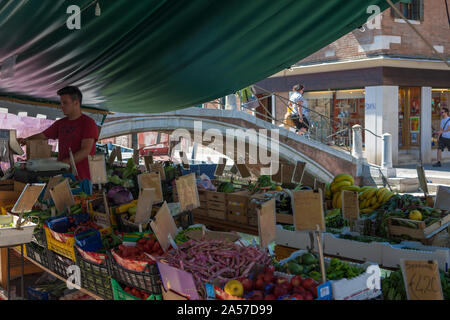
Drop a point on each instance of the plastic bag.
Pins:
(205, 183)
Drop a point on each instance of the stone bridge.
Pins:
(323, 161)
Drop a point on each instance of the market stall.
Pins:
(262, 238)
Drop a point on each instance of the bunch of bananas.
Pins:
(341, 182)
(371, 198)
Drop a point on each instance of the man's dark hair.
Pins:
(73, 91)
(298, 87)
(445, 110)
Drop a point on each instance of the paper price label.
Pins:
(422, 280)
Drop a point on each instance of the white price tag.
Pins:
(172, 242)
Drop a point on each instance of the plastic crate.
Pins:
(60, 264)
(65, 249)
(149, 280)
(100, 216)
(120, 294)
(95, 277)
(38, 254)
(33, 294)
(123, 225)
(39, 238)
(89, 240)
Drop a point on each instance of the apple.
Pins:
(257, 295)
(260, 276)
(307, 283)
(268, 278)
(260, 284)
(299, 290)
(247, 284)
(269, 288)
(309, 296)
(269, 269)
(296, 281)
(281, 280)
(287, 285)
(270, 297)
(297, 296)
(280, 291)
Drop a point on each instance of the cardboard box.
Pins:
(292, 239)
(351, 249)
(285, 218)
(392, 254)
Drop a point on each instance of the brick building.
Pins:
(387, 79)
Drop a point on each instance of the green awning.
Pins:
(160, 55)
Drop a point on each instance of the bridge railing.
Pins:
(322, 128)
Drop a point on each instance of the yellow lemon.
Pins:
(234, 288)
(278, 188)
(415, 215)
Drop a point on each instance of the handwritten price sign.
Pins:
(422, 280)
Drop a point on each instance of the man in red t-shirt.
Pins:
(76, 131)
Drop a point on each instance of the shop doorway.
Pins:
(409, 102)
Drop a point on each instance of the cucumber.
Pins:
(391, 294)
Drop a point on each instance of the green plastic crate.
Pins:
(120, 294)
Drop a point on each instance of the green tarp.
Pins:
(160, 55)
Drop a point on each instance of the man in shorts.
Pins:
(444, 138)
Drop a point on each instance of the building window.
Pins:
(411, 9)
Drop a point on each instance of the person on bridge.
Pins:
(443, 136)
(76, 132)
(300, 111)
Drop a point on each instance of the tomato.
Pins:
(156, 246)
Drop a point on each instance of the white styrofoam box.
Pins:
(351, 289)
(293, 239)
(351, 249)
(392, 254)
(12, 236)
(358, 287)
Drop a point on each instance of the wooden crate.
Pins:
(216, 196)
(8, 197)
(237, 217)
(237, 207)
(420, 233)
(7, 185)
(217, 214)
(200, 212)
(216, 204)
(201, 194)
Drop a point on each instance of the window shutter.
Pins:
(393, 13)
(421, 10)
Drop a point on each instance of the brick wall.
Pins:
(435, 28)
